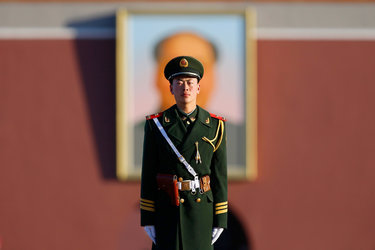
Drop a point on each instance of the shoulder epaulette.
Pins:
(218, 117)
(154, 116)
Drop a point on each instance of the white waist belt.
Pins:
(189, 168)
(191, 184)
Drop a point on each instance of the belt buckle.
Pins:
(185, 185)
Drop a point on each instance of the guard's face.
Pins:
(185, 90)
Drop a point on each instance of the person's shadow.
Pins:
(234, 237)
(97, 66)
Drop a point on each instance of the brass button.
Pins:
(180, 179)
(198, 200)
(182, 200)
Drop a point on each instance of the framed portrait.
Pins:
(225, 43)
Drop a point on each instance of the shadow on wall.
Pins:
(97, 64)
(234, 238)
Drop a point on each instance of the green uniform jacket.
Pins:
(188, 226)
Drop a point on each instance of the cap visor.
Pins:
(184, 73)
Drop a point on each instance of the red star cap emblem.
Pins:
(184, 63)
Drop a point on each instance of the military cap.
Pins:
(183, 65)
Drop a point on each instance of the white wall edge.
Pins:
(315, 34)
(261, 33)
(57, 33)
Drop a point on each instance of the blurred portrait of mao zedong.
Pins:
(187, 43)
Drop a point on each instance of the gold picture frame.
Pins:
(131, 21)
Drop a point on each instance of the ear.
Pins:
(171, 88)
(199, 88)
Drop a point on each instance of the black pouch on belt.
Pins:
(168, 183)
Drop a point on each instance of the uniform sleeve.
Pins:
(219, 184)
(148, 177)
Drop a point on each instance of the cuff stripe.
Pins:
(221, 211)
(147, 201)
(147, 205)
(221, 207)
(148, 208)
(221, 203)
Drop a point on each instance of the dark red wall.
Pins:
(316, 137)
(315, 188)
(197, 1)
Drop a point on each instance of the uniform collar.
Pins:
(175, 128)
(204, 117)
(171, 115)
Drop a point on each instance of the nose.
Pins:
(186, 86)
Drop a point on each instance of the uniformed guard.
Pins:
(184, 170)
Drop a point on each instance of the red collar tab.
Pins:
(149, 117)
